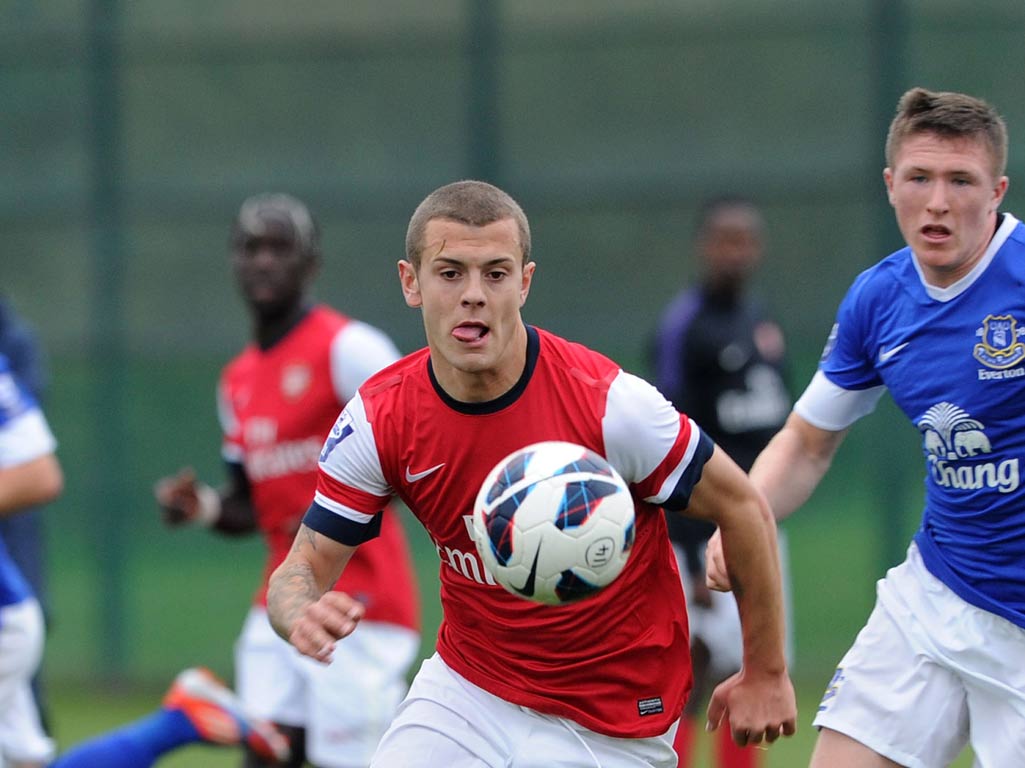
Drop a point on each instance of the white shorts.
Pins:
(344, 706)
(927, 666)
(718, 625)
(22, 738)
(448, 721)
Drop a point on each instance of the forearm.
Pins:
(312, 567)
(34, 482)
(793, 464)
(292, 590)
(752, 553)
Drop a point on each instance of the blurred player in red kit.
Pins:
(277, 401)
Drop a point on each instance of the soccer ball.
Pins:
(554, 523)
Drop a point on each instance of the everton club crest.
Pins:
(999, 347)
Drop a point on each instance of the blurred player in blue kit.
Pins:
(940, 324)
(197, 709)
(719, 358)
(23, 533)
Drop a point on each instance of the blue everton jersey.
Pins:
(24, 435)
(954, 361)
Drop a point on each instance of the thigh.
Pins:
(352, 700)
(993, 670)
(21, 645)
(446, 720)
(891, 692)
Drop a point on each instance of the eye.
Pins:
(449, 274)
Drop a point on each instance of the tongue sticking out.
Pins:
(469, 332)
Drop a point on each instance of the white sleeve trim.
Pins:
(24, 438)
(828, 406)
(357, 352)
(341, 510)
(673, 480)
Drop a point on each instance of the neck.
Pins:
(470, 385)
(270, 329)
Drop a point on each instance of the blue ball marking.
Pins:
(580, 499)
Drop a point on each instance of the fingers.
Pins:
(716, 576)
(177, 496)
(323, 623)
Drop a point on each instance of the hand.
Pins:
(756, 708)
(178, 497)
(322, 623)
(716, 576)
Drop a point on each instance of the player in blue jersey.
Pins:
(198, 708)
(23, 533)
(719, 357)
(941, 661)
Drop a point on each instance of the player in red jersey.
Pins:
(277, 401)
(513, 683)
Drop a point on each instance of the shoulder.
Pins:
(575, 359)
(883, 281)
(393, 387)
(240, 364)
(681, 310)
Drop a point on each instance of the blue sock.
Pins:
(136, 745)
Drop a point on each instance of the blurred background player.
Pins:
(23, 533)
(197, 709)
(719, 358)
(515, 684)
(277, 401)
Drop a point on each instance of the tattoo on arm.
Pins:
(305, 536)
(291, 590)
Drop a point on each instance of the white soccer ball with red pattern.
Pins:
(554, 523)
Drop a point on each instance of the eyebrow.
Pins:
(459, 262)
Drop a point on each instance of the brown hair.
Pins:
(949, 115)
(474, 203)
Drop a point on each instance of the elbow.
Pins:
(51, 481)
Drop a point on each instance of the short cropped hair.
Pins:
(949, 115)
(711, 207)
(284, 209)
(474, 203)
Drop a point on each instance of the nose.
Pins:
(473, 290)
(937, 203)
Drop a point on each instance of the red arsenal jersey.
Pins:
(617, 663)
(276, 407)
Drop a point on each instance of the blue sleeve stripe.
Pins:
(680, 497)
(341, 529)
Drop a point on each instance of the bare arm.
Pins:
(759, 700)
(790, 467)
(36, 481)
(301, 607)
(787, 471)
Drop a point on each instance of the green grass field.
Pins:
(80, 714)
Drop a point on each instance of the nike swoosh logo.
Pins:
(412, 477)
(527, 590)
(886, 354)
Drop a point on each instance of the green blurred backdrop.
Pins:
(133, 130)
